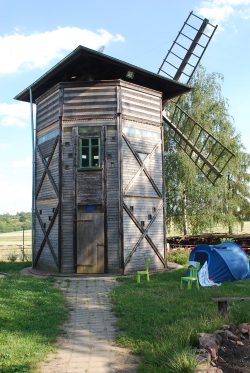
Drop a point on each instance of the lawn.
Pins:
(160, 322)
(31, 312)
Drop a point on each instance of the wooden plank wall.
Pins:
(47, 109)
(113, 195)
(141, 125)
(87, 105)
(47, 199)
(96, 100)
(68, 198)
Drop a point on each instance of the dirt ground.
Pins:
(237, 358)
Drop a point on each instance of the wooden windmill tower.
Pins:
(99, 191)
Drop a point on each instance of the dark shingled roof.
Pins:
(86, 64)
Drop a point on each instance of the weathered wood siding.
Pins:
(47, 109)
(112, 202)
(140, 104)
(68, 198)
(91, 101)
(142, 170)
(47, 199)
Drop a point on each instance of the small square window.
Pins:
(67, 143)
(70, 155)
(90, 152)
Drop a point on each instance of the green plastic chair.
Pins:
(192, 278)
(141, 273)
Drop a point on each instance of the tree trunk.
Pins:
(184, 214)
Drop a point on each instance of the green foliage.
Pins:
(193, 204)
(160, 322)
(24, 341)
(179, 257)
(12, 223)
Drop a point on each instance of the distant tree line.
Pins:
(10, 223)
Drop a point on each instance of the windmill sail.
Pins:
(208, 153)
(187, 49)
(180, 63)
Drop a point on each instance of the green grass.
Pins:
(31, 312)
(160, 322)
(13, 267)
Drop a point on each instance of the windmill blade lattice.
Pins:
(208, 153)
(187, 49)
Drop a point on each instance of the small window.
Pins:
(67, 143)
(44, 225)
(40, 212)
(149, 216)
(142, 223)
(90, 152)
(153, 209)
(131, 208)
(70, 155)
(49, 218)
(54, 209)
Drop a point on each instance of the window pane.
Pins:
(85, 157)
(94, 142)
(85, 142)
(95, 156)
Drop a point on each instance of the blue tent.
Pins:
(226, 261)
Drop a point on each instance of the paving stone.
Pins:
(87, 342)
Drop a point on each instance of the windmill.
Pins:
(180, 63)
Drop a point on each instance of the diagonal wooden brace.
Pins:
(46, 237)
(144, 233)
(142, 165)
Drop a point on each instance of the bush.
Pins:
(179, 257)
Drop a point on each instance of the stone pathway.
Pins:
(87, 344)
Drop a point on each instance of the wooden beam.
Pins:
(144, 234)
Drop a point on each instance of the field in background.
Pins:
(14, 246)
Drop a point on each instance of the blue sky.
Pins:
(35, 36)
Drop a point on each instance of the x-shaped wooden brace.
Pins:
(142, 167)
(47, 170)
(144, 233)
(46, 237)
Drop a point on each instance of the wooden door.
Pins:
(90, 242)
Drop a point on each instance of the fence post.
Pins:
(23, 244)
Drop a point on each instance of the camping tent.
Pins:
(226, 261)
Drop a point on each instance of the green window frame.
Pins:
(90, 152)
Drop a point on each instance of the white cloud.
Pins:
(19, 51)
(3, 146)
(245, 14)
(219, 11)
(15, 196)
(16, 114)
(22, 163)
(216, 14)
